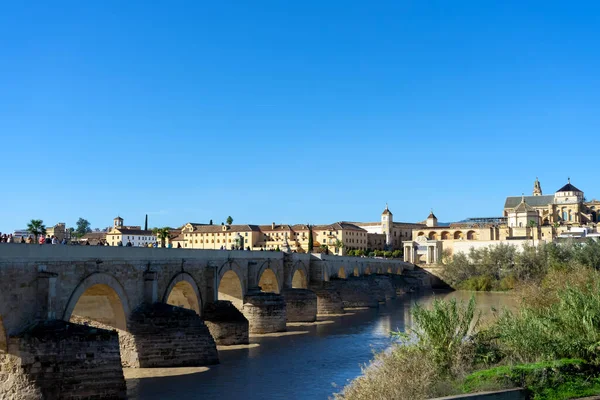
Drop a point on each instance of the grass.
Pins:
(551, 380)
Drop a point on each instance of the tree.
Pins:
(162, 234)
(83, 227)
(210, 223)
(146, 223)
(229, 220)
(36, 227)
(338, 245)
(310, 239)
(532, 224)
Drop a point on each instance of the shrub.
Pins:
(404, 372)
(443, 330)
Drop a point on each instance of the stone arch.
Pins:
(273, 266)
(183, 292)
(367, 271)
(433, 235)
(389, 270)
(342, 273)
(421, 234)
(99, 298)
(268, 281)
(445, 235)
(458, 235)
(399, 271)
(379, 270)
(300, 276)
(471, 235)
(3, 338)
(230, 288)
(356, 271)
(299, 280)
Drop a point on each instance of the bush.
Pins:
(560, 322)
(387, 254)
(401, 373)
(443, 330)
(397, 254)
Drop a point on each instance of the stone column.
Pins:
(46, 294)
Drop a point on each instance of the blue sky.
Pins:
(292, 112)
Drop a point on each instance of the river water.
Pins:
(309, 362)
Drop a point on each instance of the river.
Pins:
(309, 362)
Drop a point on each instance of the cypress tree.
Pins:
(146, 224)
(310, 239)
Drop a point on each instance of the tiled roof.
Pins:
(219, 228)
(128, 231)
(568, 188)
(283, 227)
(523, 207)
(534, 201)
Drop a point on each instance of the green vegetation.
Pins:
(501, 267)
(310, 239)
(162, 234)
(36, 227)
(229, 220)
(550, 345)
(83, 226)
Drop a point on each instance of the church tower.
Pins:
(118, 223)
(387, 220)
(537, 188)
(431, 220)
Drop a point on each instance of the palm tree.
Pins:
(36, 227)
(162, 234)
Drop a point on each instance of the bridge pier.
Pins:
(328, 301)
(60, 360)
(357, 292)
(266, 312)
(161, 335)
(301, 305)
(226, 323)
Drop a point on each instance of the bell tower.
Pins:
(118, 223)
(387, 221)
(537, 188)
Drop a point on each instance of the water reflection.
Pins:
(302, 366)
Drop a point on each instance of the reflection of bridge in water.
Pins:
(158, 308)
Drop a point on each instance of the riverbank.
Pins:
(548, 344)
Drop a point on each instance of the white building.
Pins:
(129, 234)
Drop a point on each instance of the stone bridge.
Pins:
(72, 316)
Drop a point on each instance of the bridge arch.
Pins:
(367, 270)
(356, 271)
(268, 281)
(380, 270)
(269, 277)
(231, 285)
(183, 292)
(300, 276)
(342, 273)
(389, 270)
(3, 338)
(99, 298)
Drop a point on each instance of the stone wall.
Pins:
(357, 292)
(167, 336)
(226, 323)
(59, 360)
(301, 305)
(329, 301)
(265, 312)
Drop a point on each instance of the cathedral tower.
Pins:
(537, 188)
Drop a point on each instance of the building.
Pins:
(121, 235)
(387, 234)
(59, 231)
(567, 206)
(526, 219)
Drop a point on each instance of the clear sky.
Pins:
(292, 111)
